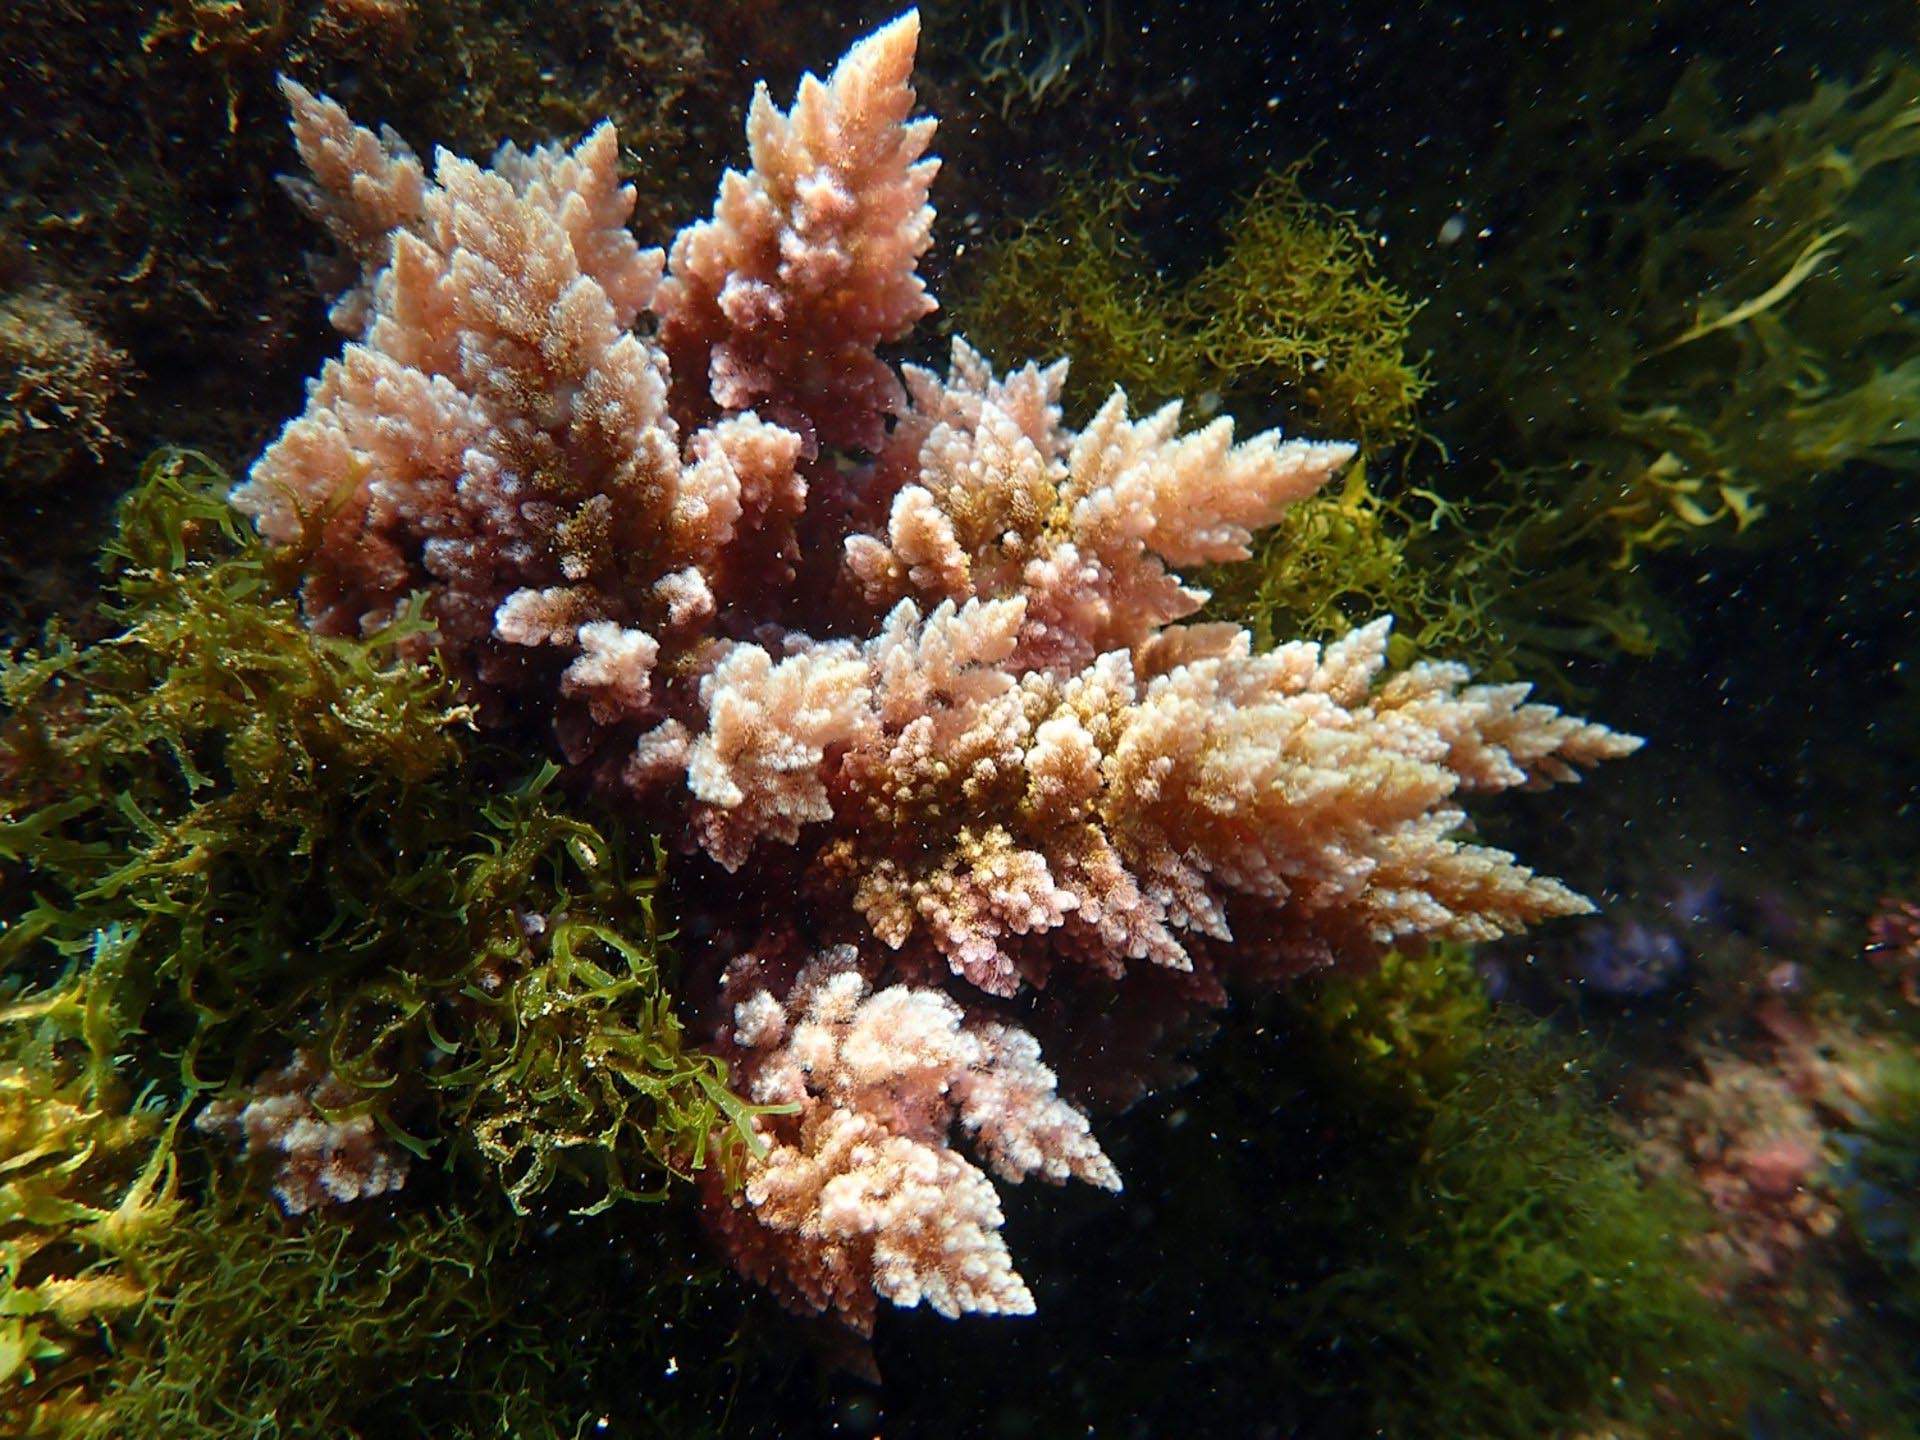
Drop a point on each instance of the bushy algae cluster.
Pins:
(245, 839)
(88, 1195)
(1292, 318)
(1521, 1260)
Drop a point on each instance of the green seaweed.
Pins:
(224, 838)
(1504, 1268)
(1340, 558)
(234, 838)
(85, 1192)
(126, 1310)
(1293, 318)
(1296, 308)
(1879, 1183)
(449, 1321)
(1412, 1022)
(585, 1056)
(1695, 324)
(260, 1328)
(1032, 57)
(1075, 282)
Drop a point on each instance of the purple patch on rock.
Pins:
(1630, 960)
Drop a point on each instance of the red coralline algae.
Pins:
(901, 651)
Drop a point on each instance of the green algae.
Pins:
(1881, 1343)
(443, 1320)
(1074, 282)
(223, 838)
(585, 1057)
(221, 1319)
(1879, 1184)
(259, 1328)
(1292, 319)
(1296, 307)
(1505, 1269)
(231, 838)
(85, 1191)
(1698, 322)
(1340, 558)
(1032, 58)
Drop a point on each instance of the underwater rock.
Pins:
(1630, 960)
(59, 378)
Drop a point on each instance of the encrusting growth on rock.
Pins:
(319, 1157)
(906, 644)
